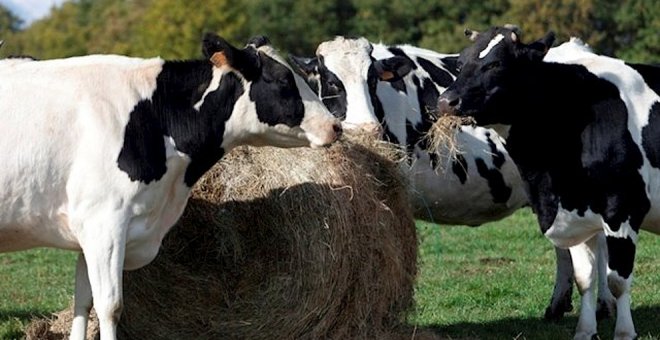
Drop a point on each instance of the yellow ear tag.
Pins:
(219, 59)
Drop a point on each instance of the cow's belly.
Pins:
(570, 228)
(39, 232)
(440, 197)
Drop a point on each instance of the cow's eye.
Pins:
(332, 85)
(492, 65)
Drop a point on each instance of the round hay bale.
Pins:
(284, 244)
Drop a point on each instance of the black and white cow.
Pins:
(585, 139)
(101, 152)
(395, 88)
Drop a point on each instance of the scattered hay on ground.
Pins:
(284, 244)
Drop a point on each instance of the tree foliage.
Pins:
(173, 28)
(9, 22)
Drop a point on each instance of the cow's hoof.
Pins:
(625, 336)
(556, 310)
(585, 336)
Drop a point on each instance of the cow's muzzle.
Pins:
(449, 103)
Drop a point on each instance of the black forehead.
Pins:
(477, 51)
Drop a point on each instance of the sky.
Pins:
(30, 10)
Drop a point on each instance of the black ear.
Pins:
(258, 41)
(539, 48)
(221, 53)
(393, 69)
(305, 66)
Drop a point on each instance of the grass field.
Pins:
(492, 282)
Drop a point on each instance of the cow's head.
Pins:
(276, 107)
(490, 72)
(345, 75)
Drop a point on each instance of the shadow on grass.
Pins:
(646, 318)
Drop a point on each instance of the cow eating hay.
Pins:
(283, 244)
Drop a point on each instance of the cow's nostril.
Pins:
(337, 128)
(454, 102)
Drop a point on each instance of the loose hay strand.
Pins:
(441, 137)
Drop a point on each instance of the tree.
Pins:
(9, 22)
(295, 25)
(443, 31)
(586, 19)
(637, 24)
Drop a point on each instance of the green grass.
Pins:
(494, 282)
(33, 283)
(491, 282)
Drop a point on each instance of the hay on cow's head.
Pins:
(283, 244)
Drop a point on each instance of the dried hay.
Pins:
(58, 327)
(441, 137)
(284, 244)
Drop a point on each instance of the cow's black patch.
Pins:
(276, 95)
(142, 156)
(212, 116)
(399, 52)
(459, 167)
(170, 112)
(427, 96)
(438, 75)
(651, 136)
(624, 248)
(451, 63)
(333, 92)
(498, 188)
(399, 85)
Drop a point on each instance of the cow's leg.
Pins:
(82, 301)
(562, 294)
(606, 301)
(584, 258)
(104, 250)
(620, 263)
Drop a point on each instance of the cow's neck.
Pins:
(196, 102)
(188, 108)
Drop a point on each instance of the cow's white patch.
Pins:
(349, 60)
(571, 228)
(215, 83)
(491, 45)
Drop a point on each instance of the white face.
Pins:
(344, 69)
(279, 109)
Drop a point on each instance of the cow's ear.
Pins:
(304, 66)
(221, 53)
(538, 49)
(258, 41)
(471, 34)
(393, 69)
(218, 50)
